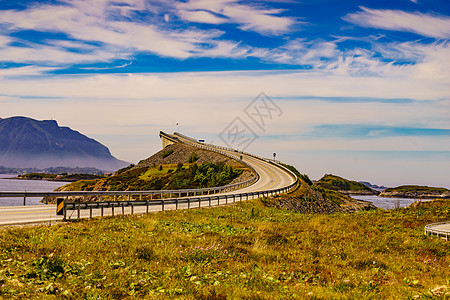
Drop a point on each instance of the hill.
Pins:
(177, 166)
(29, 143)
(344, 186)
(416, 192)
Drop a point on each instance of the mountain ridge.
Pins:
(26, 142)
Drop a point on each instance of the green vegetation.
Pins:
(163, 177)
(416, 188)
(333, 182)
(304, 177)
(193, 157)
(243, 251)
(166, 153)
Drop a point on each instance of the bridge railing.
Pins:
(153, 193)
(22, 196)
(212, 147)
(169, 204)
(429, 230)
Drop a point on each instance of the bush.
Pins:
(193, 157)
(166, 153)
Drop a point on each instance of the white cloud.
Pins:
(201, 16)
(23, 71)
(424, 24)
(106, 24)
(248, 17)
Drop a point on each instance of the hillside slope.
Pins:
(344, 186)
(29, 143)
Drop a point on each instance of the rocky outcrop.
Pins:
(316, 200)
(416, 192)
(344, 186)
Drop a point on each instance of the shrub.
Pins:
(193, 157)
(166, 153)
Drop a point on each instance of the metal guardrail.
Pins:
(439, 233)
(151, 193)
(191, 201)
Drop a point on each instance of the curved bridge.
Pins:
(271, 178)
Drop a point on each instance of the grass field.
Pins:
(243, 251)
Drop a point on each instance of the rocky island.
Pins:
(416, 192)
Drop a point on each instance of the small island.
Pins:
(416, 192)
(59, 177)
(344, 186)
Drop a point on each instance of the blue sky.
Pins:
(358, 82)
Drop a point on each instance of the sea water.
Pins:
(388, 203)
(7, 184)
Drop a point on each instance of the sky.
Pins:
(359, 89)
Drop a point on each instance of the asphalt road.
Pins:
(270, 177)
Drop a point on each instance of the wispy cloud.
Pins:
(429, 25)
(108, 25)
(266, 21)
(358, 131)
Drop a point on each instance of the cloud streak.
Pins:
(428, 25)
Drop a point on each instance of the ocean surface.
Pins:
(388, 203)
(10, 185)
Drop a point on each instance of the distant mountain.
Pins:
(29, 143)
(375, 187)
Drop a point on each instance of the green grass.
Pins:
(244, 251)
(155, 171)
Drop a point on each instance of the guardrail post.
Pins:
(200, 202)
(90, 212)
(209, 200)
(123, 209)
(132, 208)
(101, 209)
(146, 204)
(112, 209)
(78, 211)
(24, 200)
(65, 208)
(176, 204)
